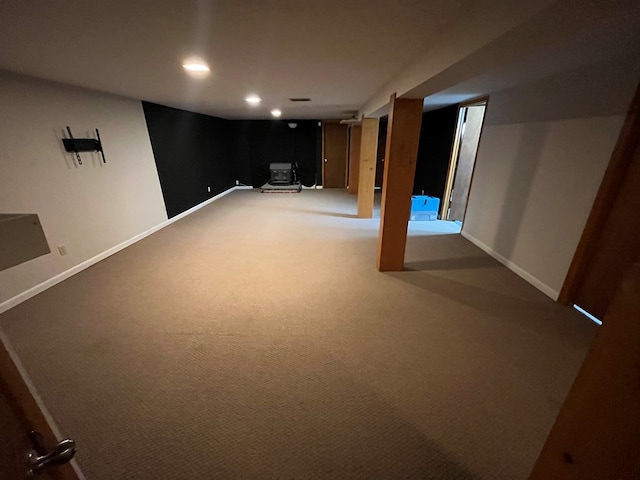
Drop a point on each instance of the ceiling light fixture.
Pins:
(253, 100)
(276, 112)
(196, 67)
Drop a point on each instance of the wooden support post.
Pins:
(597, 432)
(355, 139)
(368, 159)
(403, 135)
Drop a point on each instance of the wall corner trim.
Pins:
(543, 287)
(41, 287)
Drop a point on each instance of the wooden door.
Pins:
(334, 148)
(20, 414)
(611, 238)
(470, 137)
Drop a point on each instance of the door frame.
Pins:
(28, 407)
(455, 150)
(627, 143)
(324, 158)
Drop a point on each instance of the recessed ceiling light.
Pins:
(253, 100)
(276, 113)
(196, 67)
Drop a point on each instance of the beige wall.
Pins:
(542, 155)
(90, 208)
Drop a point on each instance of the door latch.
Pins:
(40, 456)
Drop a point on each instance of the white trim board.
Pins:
(41, 287)
(543, 287)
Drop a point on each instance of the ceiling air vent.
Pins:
(300, 99)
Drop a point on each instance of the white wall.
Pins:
(543, 152)
(89, 208)
(506, 43)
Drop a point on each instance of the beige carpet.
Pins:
(255, 339)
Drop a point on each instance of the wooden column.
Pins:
(355, 138)
(597, 432)
(608, 244)
(368, 159)
(403, 135)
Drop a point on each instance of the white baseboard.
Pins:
(41, 287)
(543, 287)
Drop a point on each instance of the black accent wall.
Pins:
(382, 149)
(261, 142)
(192, 152)
(434, 151)
(319, 159)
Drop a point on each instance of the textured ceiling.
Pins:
(337, 52)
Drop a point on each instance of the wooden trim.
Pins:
(597, 432)
(628, 141)
(27, 410)
(453, 163)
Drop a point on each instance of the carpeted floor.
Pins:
(255, 339)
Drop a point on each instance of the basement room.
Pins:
(281, 239)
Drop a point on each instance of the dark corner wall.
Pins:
(434, 151)
(382, 149)
(193, 155)
(261, 142)
(199, 156)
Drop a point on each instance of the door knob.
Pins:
(39, 458)
(325, 160)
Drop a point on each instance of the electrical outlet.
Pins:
(237, 182)
(209, 189)
(62, 250)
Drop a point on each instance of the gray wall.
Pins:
(542, 155)
(89, 209)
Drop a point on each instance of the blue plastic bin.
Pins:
(424, 207)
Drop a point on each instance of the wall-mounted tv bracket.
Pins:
(78, 145)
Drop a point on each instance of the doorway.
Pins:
(335, 145)
(463, 158)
